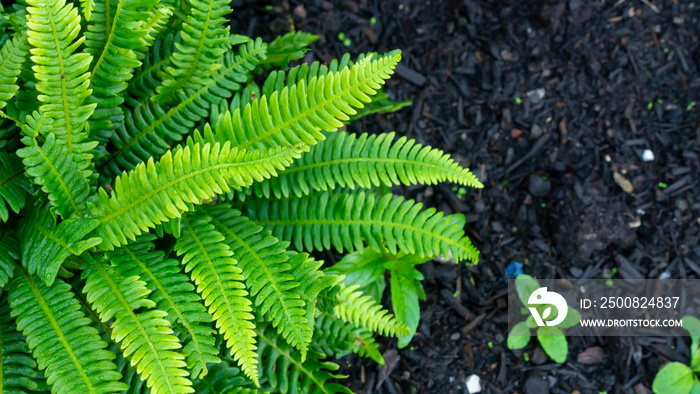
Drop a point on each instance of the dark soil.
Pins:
(545, 101)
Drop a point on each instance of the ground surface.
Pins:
(545, 101)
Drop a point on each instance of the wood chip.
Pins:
(623, 182)
(591, 355)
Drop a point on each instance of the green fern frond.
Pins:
(343, 160)
(209, 262)
(298, 113)
(362, 311)
(62, 340)
(223, 378)
(288, 47)
(17, 367)
(313, 282)
(286, 373)
(45, 245)
(88, 6)
(52, 166)
(13, 185)
(145, 336)
(12, 56)
(9, 256)
(204, 41)
(323, 220)
(151, 129)
(333, 336)
(174, 294)
(115, 63)
(143, 85)
(62, 73)
(268, 272)
(154, 193)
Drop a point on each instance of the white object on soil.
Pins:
(473, 384)
(648, 155)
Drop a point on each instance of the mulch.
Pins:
(552, 104)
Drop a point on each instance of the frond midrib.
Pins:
(109, 38)
(144, 335)
(59, 176)
(351, 222)
(299, 365)
(311, 110)
(172, 111)
(261, 265)
(59, 333)
(64, 88)
(333, 161)
(10, 178)
(122, 210)
(200, 48)
(172, 303)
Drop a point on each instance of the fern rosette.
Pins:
(157, 216)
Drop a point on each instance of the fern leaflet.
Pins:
(346, 221)
(13, 185)
(62, 340)
(17, 367)
(12, 56)
(208, 260)
(144, 337)
(174, 294)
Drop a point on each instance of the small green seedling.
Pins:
(679, 378)
(552, 338)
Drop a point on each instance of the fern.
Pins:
(343, 160)
(62, 340)
(17, 367)
(286, 373)
(204, 41)
(362, 311)
(209, 262)
(9, 255)
(62, 74)
(12, 56)
(174, 294)
(344, 221)
(140, 160)
(267, 268)
(157, 192)
(151, 130)
(298, 113)
(13, 185)
(116, 61)
(144, 337)
(53, 167)
(45, 245)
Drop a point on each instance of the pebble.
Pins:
(473, 383)
(536, 131)
(576, 272)
(648, 155)
(516, 133)
(536, 384)
(681, 205)
(455, 336)
(538, 186)
(536, 95)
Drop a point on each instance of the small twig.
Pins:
(652, 6)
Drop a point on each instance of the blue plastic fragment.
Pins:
(514, 269)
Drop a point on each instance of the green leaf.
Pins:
(573, 317)
(12, 56)
(13, 185)
(45, 245)
(519, 336)
(692, 325)
(154, 193)
(554, 343)
(365, 269)
(347, 221)
(405, 292)
(674, 378)
(696, 386)
(143, 334)
(525, 285)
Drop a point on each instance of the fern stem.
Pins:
(59, 177)
(109, 36)
(92, 312)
